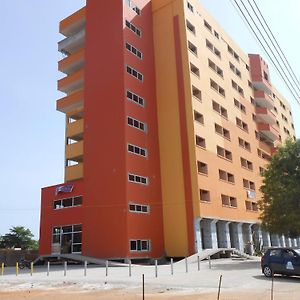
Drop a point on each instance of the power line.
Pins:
(292, 75)
(276, 42)
(274, 56)
(245, 19)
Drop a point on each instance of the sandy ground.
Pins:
(242, 280)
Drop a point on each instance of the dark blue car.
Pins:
(285, 261)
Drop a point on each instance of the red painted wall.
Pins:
(51, 217)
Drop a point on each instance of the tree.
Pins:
(280, 203)
(18, 237)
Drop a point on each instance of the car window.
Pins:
(275, 252)
(288, 254)
(297, 251)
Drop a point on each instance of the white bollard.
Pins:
(48, 268)
(186, 265)
(198, 262)
(106, 268)
(156, 268)
(85, 267)
(65, 268)
(172, 267)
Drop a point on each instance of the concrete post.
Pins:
(223, 234)
(209, 233)
(237, 236)
(282, 240)
(266, 239)
(197, 230)
(247, 238)
(288, 242)
(275, 240)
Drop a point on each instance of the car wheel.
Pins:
(267, 271)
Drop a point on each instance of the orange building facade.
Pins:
(168, 128)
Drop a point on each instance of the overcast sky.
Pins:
(32, 132)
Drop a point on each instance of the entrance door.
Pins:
(66, 243)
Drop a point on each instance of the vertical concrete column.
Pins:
(257, 237)
(288, 241)
(209, 235)
(197, 231)
(266, 239)
(237, 236)
(275, 240)
(282, 240)
(247, 238)
(223, 234)
(298, 242)
(294, 243)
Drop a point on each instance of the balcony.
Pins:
(73, 43)
(75, 151)
(75, 130)
(260, 73)
(74, 172)
(71, 83)
(72, 63)
(263, 99)
(71, 102)
(269, 131)
(264, 115)
(73, 23)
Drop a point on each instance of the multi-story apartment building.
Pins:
(169, 125)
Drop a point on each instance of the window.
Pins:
(244, 144)
(217, 88)
(194, 70)
(138, 179)
(202, 167)
(215, 68)
(67, 202)
(247, 67)
(196, 93)
(204, 195)
(71, 234)
(228, 201)
(192, 48)
(262, 171)
(263, 155)
(190, 7)
(134, 50)
(246, 164)
(252, 206)
(235, 70)
(233, 53)
(207, 26)
(139, 208)
(286, 130)
(198, 117)
(222, 131)
(223, 175)
(241, 124)
(200, 141)
(134, 73)
(239, 105)
(210, 46)
(190, 27)
(219, 109)
(133, 28)
(237, 88)
(284, 117)
(216, 34)
(136, 150)
(140, 245)
(136, 124)
(224, 153)
(135, 98)
(248, 184)
(131, 4)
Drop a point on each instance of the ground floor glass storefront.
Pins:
(67, 239)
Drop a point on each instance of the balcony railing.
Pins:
(263, 99)
(264, 115)
(269, 131)
(73, 43)
(71, 83)
(71, 102)
(75, 129)
(73, 23)
(74, 172)
(74, 151)
(72, 63)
